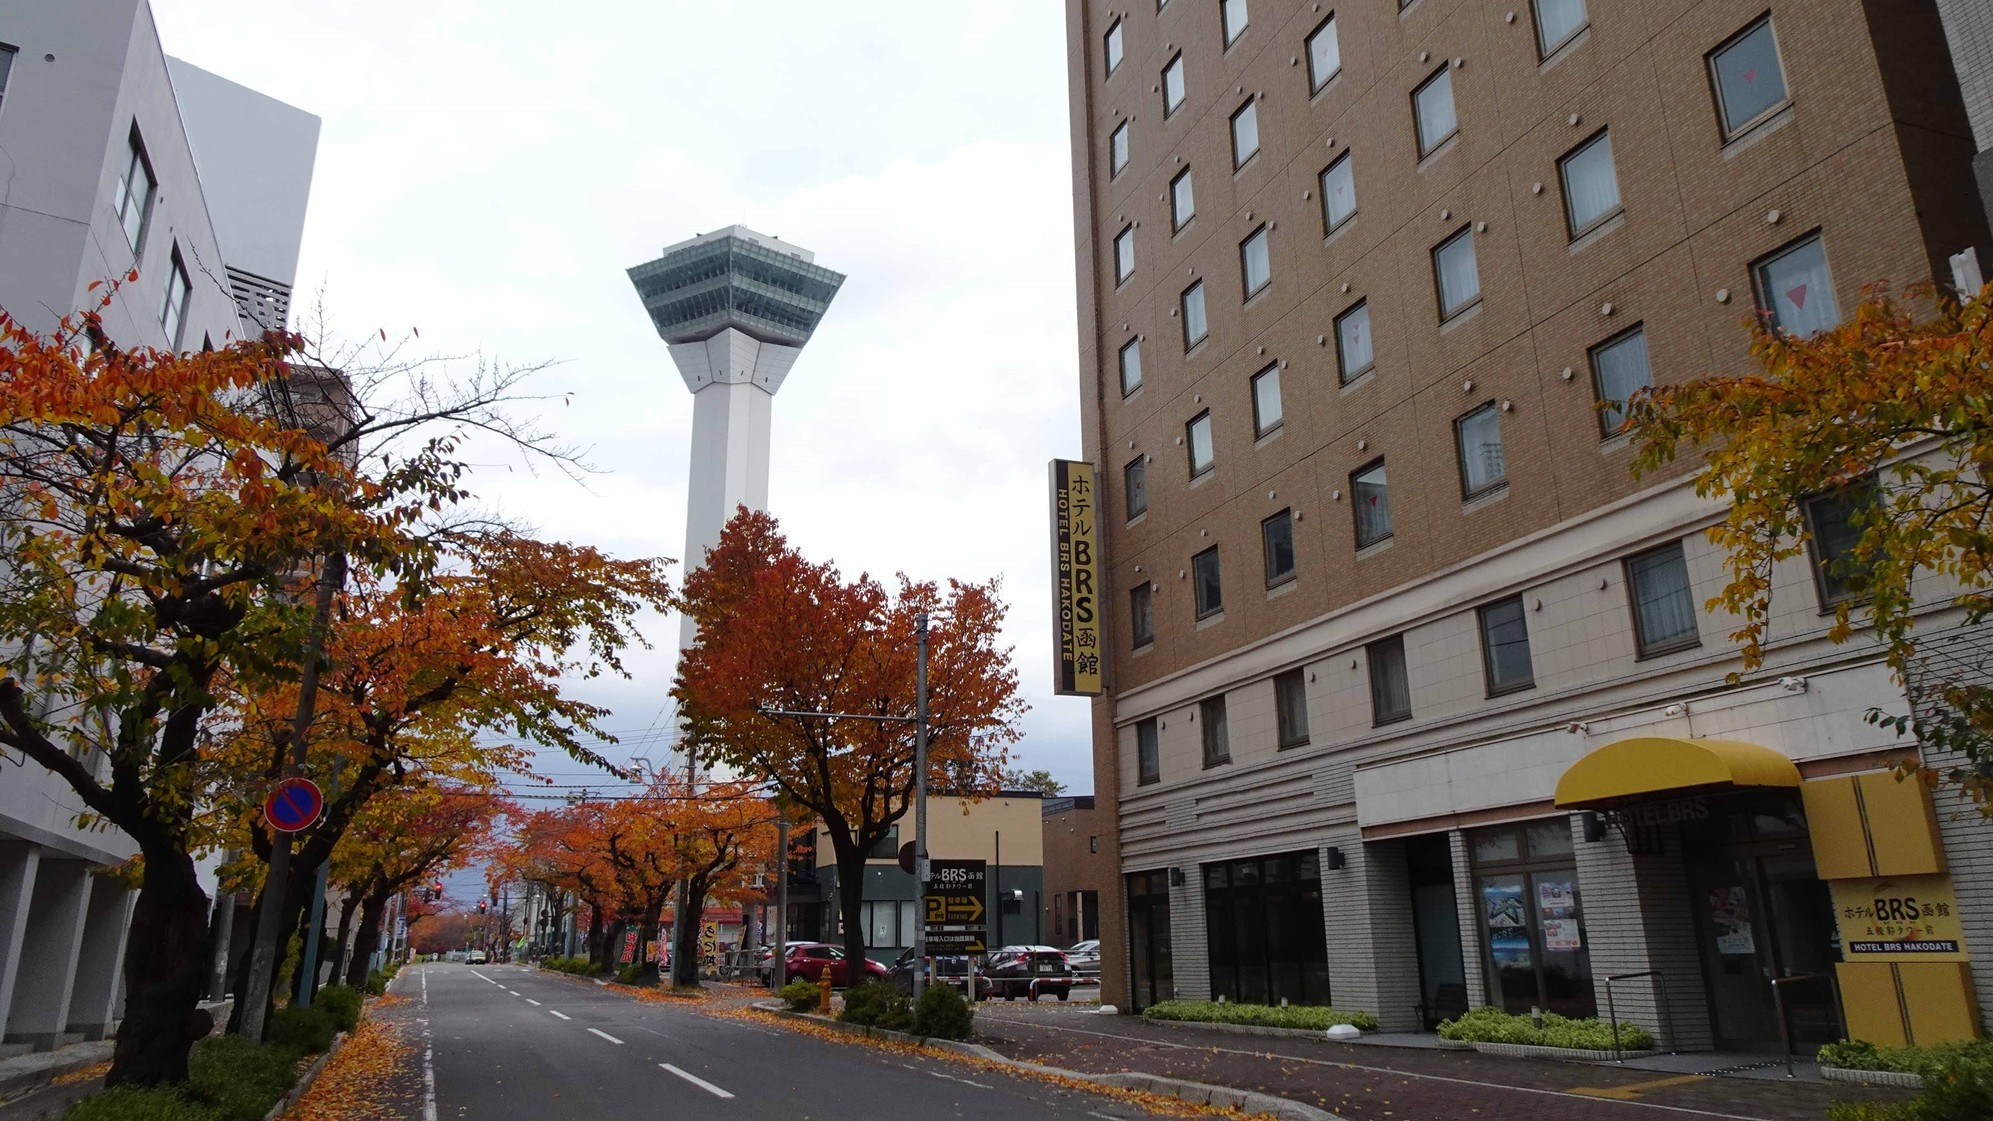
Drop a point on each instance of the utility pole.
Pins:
(920, 806)
(781, 901)
(263, 951)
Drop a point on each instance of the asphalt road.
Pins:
(508, 1041)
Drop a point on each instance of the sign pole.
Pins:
(780, 975)
(920, 802)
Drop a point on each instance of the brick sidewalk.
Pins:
(1371, 1083)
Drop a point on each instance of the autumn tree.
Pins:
(152, 521)
(440, 933)
(399, 839)
(779, 634)
(1891, 414)
(725, 834)
(557, 848)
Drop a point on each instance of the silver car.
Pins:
(1085, 957)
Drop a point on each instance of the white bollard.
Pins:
(1343, 1033)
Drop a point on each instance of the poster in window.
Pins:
(1730, 919)
(1502, 900)
(1561, 936)
(1556, 899)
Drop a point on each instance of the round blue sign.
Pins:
(293, 805)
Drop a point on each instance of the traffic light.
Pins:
(480, 906)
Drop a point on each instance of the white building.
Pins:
(115, 158)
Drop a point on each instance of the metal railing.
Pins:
(1660, 989)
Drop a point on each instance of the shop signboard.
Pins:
(955, 912)
(1076, 579)
(1899, 918)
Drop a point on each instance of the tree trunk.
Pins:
(595, 954)
(646, 938)
(346, 909)
(685, 934)
(366, 938)
(166, 968)
(850, 897)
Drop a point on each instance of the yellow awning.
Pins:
(1663, 766)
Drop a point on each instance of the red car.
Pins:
(808, 959)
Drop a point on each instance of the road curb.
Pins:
(1196, 1093)
(20, 1084)
(291, 1096)
(1320, 1035)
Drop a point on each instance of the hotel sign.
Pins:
(1899, 918)
(1076, 582)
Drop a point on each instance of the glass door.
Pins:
(1736, 960)
(1149, 939)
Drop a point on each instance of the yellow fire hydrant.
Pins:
(823, 992)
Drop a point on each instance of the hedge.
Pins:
(1304, 1016)
(1958, 1080)
(942, 1013)
(308, 1030)
(879, 1005)
(1858, 1055)
(240, 1080)
(1492, 1025)
(342, 1003)
(800, 995)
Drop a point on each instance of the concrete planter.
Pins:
(1902, 1079)
(1531, 1051)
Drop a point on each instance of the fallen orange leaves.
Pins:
(364, 1080)
(99, 1070)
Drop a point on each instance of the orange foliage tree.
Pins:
(557, 849)
(398, 839)
(779, 633)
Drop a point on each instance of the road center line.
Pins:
(697, 1081)
(603, 1034)
(424, 974)
(481, 976)
(513, 992)
(532, 1002)
(562, 1015)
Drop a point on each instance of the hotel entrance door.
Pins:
(1762, 913)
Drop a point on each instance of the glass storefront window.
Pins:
(1532, 923)
(1267, 939)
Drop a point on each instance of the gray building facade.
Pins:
(119, 164)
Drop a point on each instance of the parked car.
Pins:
(952, 969)
(807, 960)
(475, 957)
(1085, 958)
(1026, 971)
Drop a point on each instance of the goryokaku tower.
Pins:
(736, 308)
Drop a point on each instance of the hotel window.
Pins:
(1113, 43)
(1254, 267)
(1290, 708)
(1795, 290)
(1207, 581)
(1124, 254)
(1234, 19)
(1173, 86)
(1370, 496)
(1117, 150)
(1455, 275)
(1432, 105)
(1217, 741)
(1266, 401)
(1325, 56)
(1135, 486)
(1747, 78)
(1390, 688)
(1505, 647)
(173, 312)
(1194, 328)
(1354, 357)
(1338, 193)
(1663, 606)
(1245, 134)
(1478, 440)
(1834, 534)
(135, 188)
(1183, 204)
(1197, 438)
(1619, 370)
(1141, 615)
(6, 69)
(1277, 538)
(1557, 23)
(1532, 928)
(1131, 366)
(1148, 756)
(1591, 188)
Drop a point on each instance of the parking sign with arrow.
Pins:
(954, 904)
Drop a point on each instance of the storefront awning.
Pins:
(1666, 766)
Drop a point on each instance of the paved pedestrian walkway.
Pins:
(1370, 1083)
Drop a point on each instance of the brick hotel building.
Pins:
(1413, 704)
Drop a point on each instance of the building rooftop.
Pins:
(735, 277)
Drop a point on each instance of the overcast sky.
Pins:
(489, 168)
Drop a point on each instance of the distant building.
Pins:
(1005, 830)
(1079, 867)
(115, 158)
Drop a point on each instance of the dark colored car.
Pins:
(951, 969)
(808, 960)
(1026, 971)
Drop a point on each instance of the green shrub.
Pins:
(800, 995)
(1871, 1111)
(238, 1079)
(129, 1104)
(308, 1030)
(878, 1005)
(342, 1003)
(1308, 1017)
(1958, 1080)
(1492, 1025)
(377, 983)
(1927, 1061)
(942, 1013)
(628, 974)
(578, 965)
